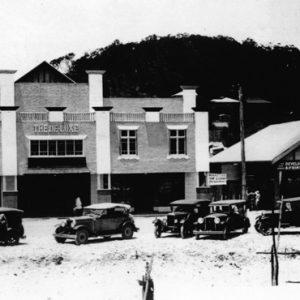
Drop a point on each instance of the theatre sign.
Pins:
(56, 129)
(289, 166)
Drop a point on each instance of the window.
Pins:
(56, 148)
(128, 142)
(177, 141)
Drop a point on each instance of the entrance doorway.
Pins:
(144, 191)
(52, 194)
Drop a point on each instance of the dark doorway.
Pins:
(144, 191)
(52, 195)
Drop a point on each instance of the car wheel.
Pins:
(127, 232)
(257, 226)
(157, 231)
(266, 230)
(60, 240)
(183, 232)
(226, 233)
(82, 236)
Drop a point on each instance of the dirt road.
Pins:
(39, 268)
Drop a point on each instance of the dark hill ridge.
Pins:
(157, 66)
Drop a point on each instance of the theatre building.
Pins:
(61, 140)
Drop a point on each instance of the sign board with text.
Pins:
(217, 179)
(289, 166)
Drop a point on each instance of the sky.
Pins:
(32, 31)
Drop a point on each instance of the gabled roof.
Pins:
(268, 145)
(44, 66)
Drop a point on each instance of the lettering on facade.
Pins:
(289, 166)
(56, 128)
(217, 179)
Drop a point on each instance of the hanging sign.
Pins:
(217, 179)
(289, 166)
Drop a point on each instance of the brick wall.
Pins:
(133, 105)
(153, 149)
(34, 97)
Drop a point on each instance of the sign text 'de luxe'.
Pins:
(56, 128)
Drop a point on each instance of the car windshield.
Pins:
(183, 208)
(221, 208)
(94, 212)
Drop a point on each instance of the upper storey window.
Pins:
(177, 142)
(56, 148)
(128, 142)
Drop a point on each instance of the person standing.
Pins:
(77, 210)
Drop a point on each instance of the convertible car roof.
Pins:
(8, 209)
(227, 202)
(107, 205)
(295, 199)
(189, 201)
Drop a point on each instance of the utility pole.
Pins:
(242, 138)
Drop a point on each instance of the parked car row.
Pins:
(187, 218)
(202, 217)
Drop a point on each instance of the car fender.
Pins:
(158, 222)
(76, 227)
(126, 223)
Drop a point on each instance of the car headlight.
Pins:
(72, 223)
(200, 220)
(217, 221)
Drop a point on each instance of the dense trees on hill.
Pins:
(157, 66)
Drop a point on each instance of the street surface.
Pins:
(40, 268)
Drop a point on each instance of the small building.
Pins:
(61, 140)
(272, 163)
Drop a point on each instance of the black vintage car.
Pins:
(182, 218)
(11, 227)
(103, 219)
(226, 216)
(290, 216)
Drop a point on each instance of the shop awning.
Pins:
(57, 170)
(268, 145)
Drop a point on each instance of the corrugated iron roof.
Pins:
(268, 145)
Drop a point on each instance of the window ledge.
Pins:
(178, 156)
(130, 157)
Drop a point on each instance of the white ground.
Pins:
(39, 268)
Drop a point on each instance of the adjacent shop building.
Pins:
(272, 160)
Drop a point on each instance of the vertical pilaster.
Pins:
(103, 153)
(95, 79)
(189, 98)
(202, 151)
(9, 166)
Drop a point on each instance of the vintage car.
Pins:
(290, 216)
(103, 219)
(182, 218)
(11, 227)
(226, 216)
